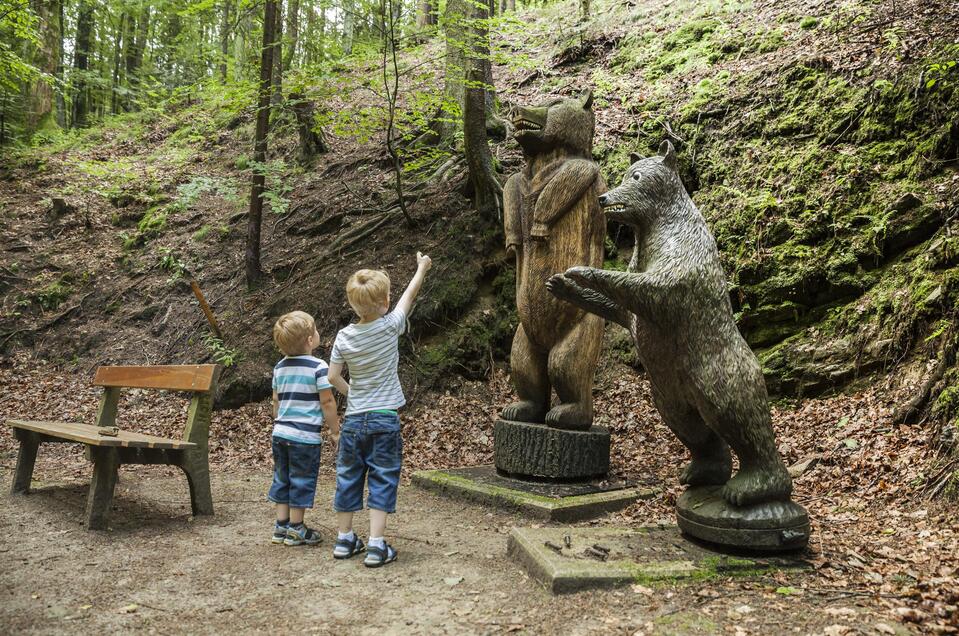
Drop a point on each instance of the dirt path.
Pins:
(221, 574)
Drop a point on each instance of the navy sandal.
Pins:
(344, 548)
(378, 557)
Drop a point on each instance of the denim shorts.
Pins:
(295, 466)
(371, 451)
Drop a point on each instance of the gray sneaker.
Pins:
(301, 536)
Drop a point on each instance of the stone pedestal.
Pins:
(537, 451)
(772, 526)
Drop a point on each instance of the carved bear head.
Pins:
(559, 123)
(648, 185)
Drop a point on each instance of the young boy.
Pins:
(370, 447)
(302, 403)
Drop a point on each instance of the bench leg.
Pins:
(26, 458)
(196, 465)
(106, 460)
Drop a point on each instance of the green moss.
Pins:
(808, 23)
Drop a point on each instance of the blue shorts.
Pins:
(371, 450)
(295, 467)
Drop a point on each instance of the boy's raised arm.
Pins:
(423, 264)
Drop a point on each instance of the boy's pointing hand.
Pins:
(423, 261)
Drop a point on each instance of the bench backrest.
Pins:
(185, 377)
(199, 378)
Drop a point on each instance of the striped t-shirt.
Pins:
(371, 353)
(298, 381)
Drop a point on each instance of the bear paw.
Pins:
(754, 485)
(570, 417)
(524, 411)
(707, 471)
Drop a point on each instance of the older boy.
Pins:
(302, 403)
(370, 448)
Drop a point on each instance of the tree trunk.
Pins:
(349, 26)
(487, 192)
(312, 142)
(511, 6)
(117, 50)
(39, 92)
(451, 111)
(583, 10)
(81, 63)
(425, 16)
(254, 272)
(292, 33)
(61, 107)
(225, 38)
(277, 98)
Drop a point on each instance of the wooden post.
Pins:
(106, 461)
(107, 413)
(26, 458)
(210, 318)
(196, 461)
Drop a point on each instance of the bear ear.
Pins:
(668, 154)
(634, 157)
(587, 98)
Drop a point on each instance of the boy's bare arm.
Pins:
(423, 264)
(330, 419)
(335, 376)
(276, 405)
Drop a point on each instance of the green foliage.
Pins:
(18, 32)
(277, 184)
(171, 262)
(220, 352)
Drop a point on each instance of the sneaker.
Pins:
(279, 532)
(345, 548)
(377, 557)
(301, 535)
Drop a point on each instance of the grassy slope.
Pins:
(808, 136)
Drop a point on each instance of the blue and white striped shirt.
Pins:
(298, 381)
(371, 353)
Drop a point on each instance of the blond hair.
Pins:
(291, 332)
(367, 290)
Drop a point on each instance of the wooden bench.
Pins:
(107, 452)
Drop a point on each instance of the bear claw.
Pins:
(524, 411)
(754, 485)
(706, 472)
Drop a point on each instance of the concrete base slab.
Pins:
(541, 500)
(575, 559)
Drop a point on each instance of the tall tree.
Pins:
(426, 14)
(487, 192)
(39, 110)
(81, 62)
(225, 37)
(292, 33)
(349, 26)
(254, 273)
(277, 98)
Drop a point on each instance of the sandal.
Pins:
(344, 548)
(378, 557)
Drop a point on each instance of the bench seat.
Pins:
(87, 434)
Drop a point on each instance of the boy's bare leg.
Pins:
(377, 523)
(344, 522)
(296, 515)
(282, 512)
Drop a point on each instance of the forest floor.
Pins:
(884, 555)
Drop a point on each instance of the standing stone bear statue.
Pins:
(706, 382)
(552, 222)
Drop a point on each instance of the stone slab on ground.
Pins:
(541, 500)
(646, 555)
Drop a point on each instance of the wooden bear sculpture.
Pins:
(707, 383)
(552, 222)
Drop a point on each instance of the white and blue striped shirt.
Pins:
(298, 381)
(371, 353)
